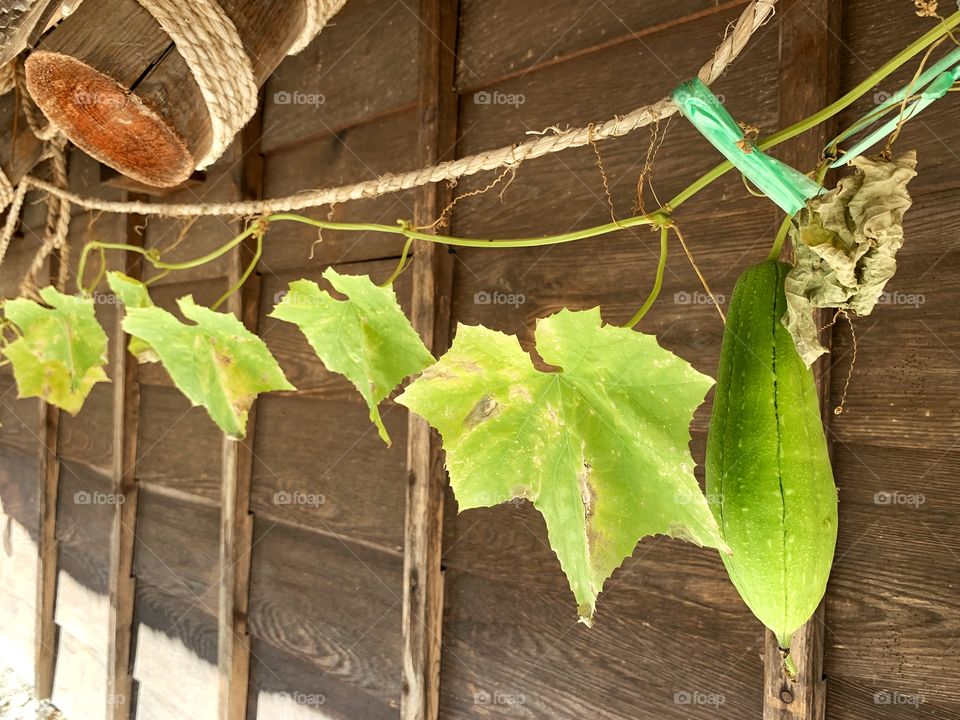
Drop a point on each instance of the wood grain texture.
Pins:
(892, 612)
(503, 39)
(123, 528)
(809, 52)
(385, 144)
(335, 606)
(430, 315)
(321, 92)
(133, 102)
(236, 520)
(178, 548)
(175, 672)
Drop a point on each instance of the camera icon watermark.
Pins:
(886, 697)
(894, 497)
(313, 700)
(694, 697)
(295, 97)
(82, 497)
(697, 297)
(498, 698)
(285, 497)
(914, 300)
(495, 97)
(495, 297)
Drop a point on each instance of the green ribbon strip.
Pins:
(929, 87)
(784, 185)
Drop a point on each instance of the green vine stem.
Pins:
(658, 281)
(661, 218)
(889, 67)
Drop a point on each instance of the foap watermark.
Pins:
(495, 297)
(498, 698)
(295, 97)
(294, 497)
(82, 497)
(697, 297)
(913, 300)
(881, 96)
(313, 700)
(887, 697)
(696, 498)
(495, 97)
(95, 98)
(695, 697)
(895, 497)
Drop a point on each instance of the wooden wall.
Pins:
(326, 583)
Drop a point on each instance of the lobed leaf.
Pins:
(61, 350)
(216, 362)
(600, 447)
(365, 338)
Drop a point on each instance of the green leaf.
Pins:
(61, 350)
(215, 362)
(133, 294)
(601, 447)
(366, 338)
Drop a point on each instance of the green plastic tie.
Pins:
(787, 187)
(929, 87)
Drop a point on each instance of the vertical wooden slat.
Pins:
(422, 619)
(809, 80)
(45, 640)
(46, 630)
(126, 422)
(236, 520)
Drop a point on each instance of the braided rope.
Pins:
(319, 13)
(753, 17)
(209, 43)
(58, 224)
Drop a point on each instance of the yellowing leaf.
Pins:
(61, 350)
(216, 362)
(366, 337)
(846, 246)
(600, 447)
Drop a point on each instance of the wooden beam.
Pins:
(46, 630)
(45, 640)
(123, 530)
(422, 619)
(236, 520)
(809, 80)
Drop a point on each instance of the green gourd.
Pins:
(769, 479)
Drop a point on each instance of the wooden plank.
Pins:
(514, 652)
(123, 529)
(236, 520)
(501, 39)
(335, 606)
(809, 53)
(432, 288)
(358, 153)
(321, 92)
(178, 548)
(46, 634)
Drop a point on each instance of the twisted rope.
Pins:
(58, 224)
(753, 17)
(319, 13)
(209, 43)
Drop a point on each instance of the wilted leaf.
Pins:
(61, 350)
(846, 246)
(215, 362)
(600, 447)
(366, 337)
